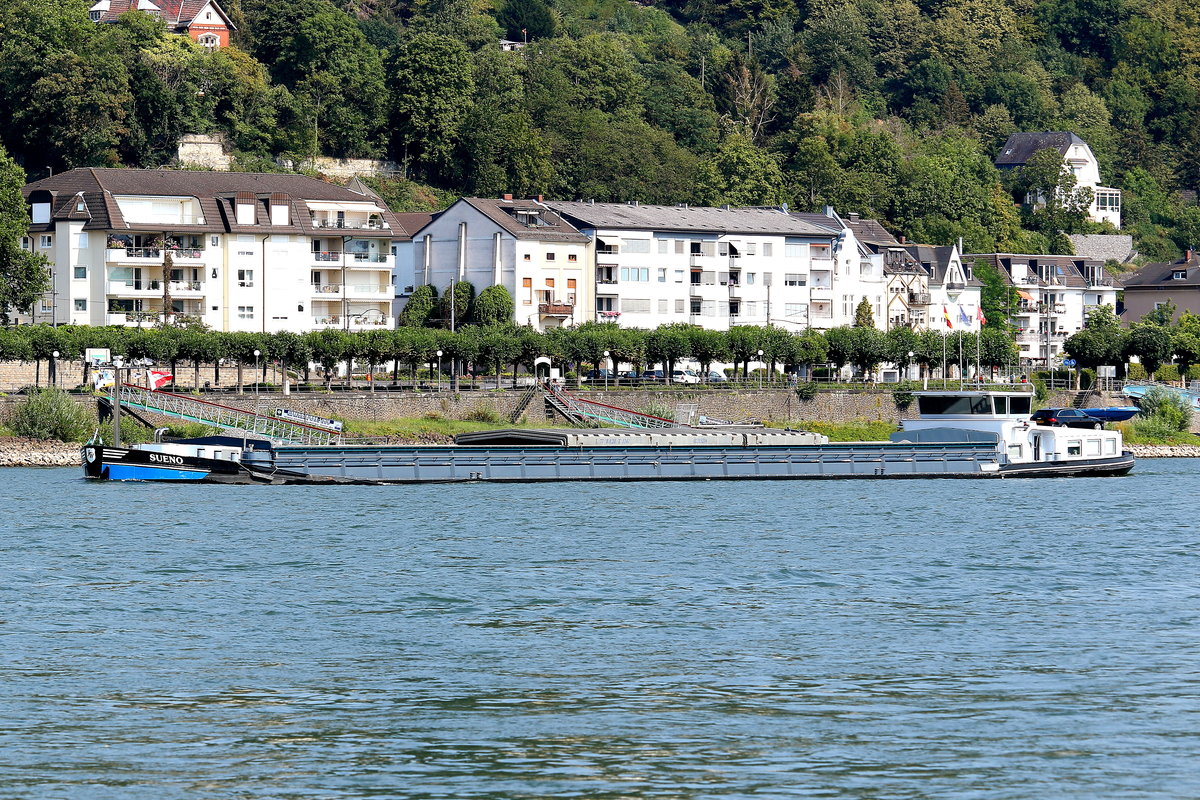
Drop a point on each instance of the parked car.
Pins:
(684, 376)
(717, 376)
(653, 375)
(599, 375)
(1066, 418)
(630, 375)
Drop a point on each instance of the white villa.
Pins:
(1078, 156)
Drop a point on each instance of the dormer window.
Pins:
(94, 16)
(1179, 275)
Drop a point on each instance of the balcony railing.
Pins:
(328, 256)
(188, 253)
(919, 298)
(955, 286)
(327, 288)
(369, 258)
(372, 289)
(115, 253)
(556, 309)
(606, 281)
(349, 224)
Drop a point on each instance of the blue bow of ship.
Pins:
(954, 434)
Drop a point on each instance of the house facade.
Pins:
(1161, 283)
(1079, 158)
(717, 267)
(1055, 295)
(202, 20)
(236, 251)
(522, 245)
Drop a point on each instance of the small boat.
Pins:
(1113, 414)
(968, 434)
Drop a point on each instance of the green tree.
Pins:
(863, 316)
(526, 19)
(667, 344)
(1055, 204)
(1150, 343)
(707, 346)
(432, 82)
(420, 309)
(739, 174)
(24, 276)
(998, 298)
(463, 293)
(493, 306)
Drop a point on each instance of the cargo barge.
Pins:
(969, 434)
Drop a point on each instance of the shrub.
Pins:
(1137, 372)
(1153, 428)
(484, 414)
(1167, 373)
(807, 391)
(1167, 408)
(903, 395)
(51, 413)
(657, 409)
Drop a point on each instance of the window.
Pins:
(527, 287)
(571, 284)
(794, 312)
(606, 304)
(735, 308)
(679, 306)
(80, 273)
(662, 246)
(662, 306)
(751, 248)
(209, 40)
(636, 245)
(572, 257)
(794, 248)
(768, 249)
(82, 241)
(749, 278)
(636, 306)
(679, 244)
(662, 274)
(245, 277)
(80, 304)
(46, 241)
(639, 274)
(695, 306)
(94, 16)
(26, 243)
(679, 276)
(550, 256)
(245, 312)
(1074, 447)
(794, 279)
(215, 241)
(550, 282)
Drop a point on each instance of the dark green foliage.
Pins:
(50, 414)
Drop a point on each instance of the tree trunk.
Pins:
(241, 389)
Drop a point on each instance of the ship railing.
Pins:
(231, 419)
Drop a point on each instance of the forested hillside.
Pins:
(892, 108)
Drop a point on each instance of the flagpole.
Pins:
(978, 345)
(943, 359)
(960, 362)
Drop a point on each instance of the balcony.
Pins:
(354, 224)
(370, 291)
(955, 286)
(701, 260)
(919, 298)
(556, 309)
(327, 289)
(368, 258)
(139, 254)
(186, 254)
(154, 288)
(821, 290)
(328, 256)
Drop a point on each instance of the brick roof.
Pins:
(178, 14)
(215, 191)
(1158, 275)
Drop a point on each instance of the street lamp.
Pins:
(606, 371)
(439, 375)
(54, 368)
(760, 369)
(257, 353)
(910, 362)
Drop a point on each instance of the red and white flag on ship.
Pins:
(158, 378)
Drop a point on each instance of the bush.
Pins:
(1137, 372)
(657, 409)
(903, 395)
(1166, 408)
(1167, 373)
(484, 414)
(51, 414)
(1153, 429)
(807, 391)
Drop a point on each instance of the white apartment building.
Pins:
(1055, 295)
(1079, 158)
(238, 251)
(719, 267)
(522, 245)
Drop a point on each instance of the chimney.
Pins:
(540, 198)
(508, 197)
(901, 240)
(1188, 256)
(854, 216)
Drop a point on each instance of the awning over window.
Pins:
(1024, 295)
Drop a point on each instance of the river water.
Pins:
(895, 639)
